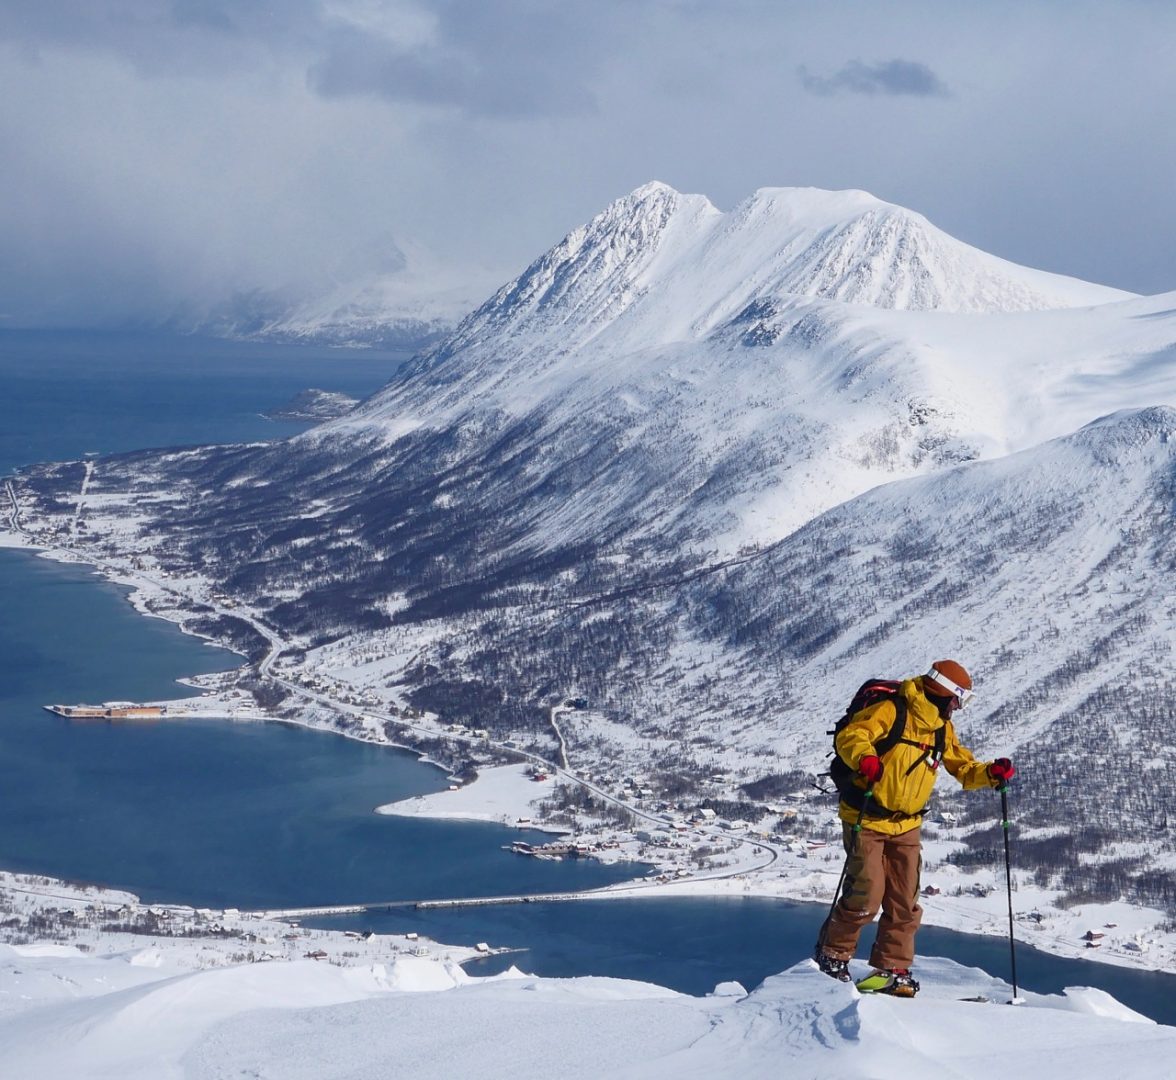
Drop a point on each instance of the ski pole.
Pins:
(1004, 824)
(857, 828)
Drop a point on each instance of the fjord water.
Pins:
(65, 394)
(209, 812)
(220, 813)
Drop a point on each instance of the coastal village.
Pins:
(39, 913)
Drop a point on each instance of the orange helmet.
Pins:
(948, 679)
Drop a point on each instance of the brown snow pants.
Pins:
(882, 872)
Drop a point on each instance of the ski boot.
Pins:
(897, 981)
(831, 966)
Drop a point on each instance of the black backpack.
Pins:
(869, 693)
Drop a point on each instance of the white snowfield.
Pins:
(66, 1016)
(502, 794)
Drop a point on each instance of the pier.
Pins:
(120, 711)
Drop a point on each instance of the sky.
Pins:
(161, 156)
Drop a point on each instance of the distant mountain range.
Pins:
(709, 471)
(390, 294)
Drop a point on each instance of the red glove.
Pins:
(1001, 771)
(871, 768)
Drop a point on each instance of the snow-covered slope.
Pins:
(798, 346)
(86, 1018)
(796, 404)
(1049, 570)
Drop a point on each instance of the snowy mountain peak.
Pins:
(653, 192)
(810, 202)
(853, 247)
(657, 266)
(591, 275)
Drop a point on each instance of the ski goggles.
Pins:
(962, 695)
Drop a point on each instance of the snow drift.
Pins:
(286, 1021)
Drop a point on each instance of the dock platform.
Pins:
(108, 712)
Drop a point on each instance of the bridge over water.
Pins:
(388, 905)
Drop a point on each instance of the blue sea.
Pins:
(66, 394)
(222, 813)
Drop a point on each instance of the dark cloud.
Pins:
(166, 37)
(526, 59)
(523, 58)
(447, 75)
(893, 78)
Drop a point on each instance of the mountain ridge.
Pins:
(844, 245)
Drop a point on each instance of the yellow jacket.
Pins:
(906, 781)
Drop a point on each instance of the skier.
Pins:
(881, 833)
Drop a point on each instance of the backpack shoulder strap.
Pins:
(894, 736)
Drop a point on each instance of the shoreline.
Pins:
(787, 875)
(71, 918)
